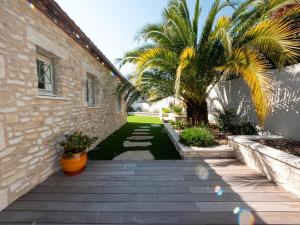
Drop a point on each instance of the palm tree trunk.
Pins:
(197, 113)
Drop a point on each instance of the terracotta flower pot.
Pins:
(74, 165)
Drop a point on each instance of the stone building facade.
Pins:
(32, 121)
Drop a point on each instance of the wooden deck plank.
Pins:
(153, 206)
(155, 183)
(197, 218)
(212, 197)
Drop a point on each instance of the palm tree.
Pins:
(179, 59)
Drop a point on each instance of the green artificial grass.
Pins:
(161, 148)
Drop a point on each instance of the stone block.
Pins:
(2, 137)
(15, 140)
(11, 118)
(2, 67)
(46, 134)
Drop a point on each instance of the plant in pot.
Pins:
(74, 158)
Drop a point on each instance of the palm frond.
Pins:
(185, 58)
(255, 71)
(276, 40)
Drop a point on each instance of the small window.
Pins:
(46, 75)
(118, 103)
(90, 91)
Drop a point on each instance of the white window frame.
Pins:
(49, 76)
(90, 91)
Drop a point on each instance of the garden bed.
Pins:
(286, 145)
(216, 151)
(277, 165)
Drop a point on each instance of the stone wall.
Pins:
(284, 118)
(32, 125)
(278, 166)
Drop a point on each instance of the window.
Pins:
(46, 75)
(118, 103)
(90, 91)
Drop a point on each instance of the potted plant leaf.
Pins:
(74, 158)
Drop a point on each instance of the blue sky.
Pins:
(113, 24)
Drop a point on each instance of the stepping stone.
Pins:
(140, 138)
(135, 155)
(145, 127)
(155, 125)
(142, 130)
(140, 133)
(128, 144)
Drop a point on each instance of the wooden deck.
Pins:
(155, 192)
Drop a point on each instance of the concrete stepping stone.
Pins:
(155, 125)
(141, 130)
(145, 127)
(135, 155)
(130, 144)
(140, 133)
(140, 138)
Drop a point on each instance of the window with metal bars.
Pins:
(90, 91)
(46, 75)
(118, 103)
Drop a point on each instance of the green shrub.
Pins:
(77, 142)
(179, 125)
(171, 122)
(225, 121)
(130, 109)
(197, 136)
(177, 110)
(166, 110)
(247, 128)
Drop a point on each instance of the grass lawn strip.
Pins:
(161, 148)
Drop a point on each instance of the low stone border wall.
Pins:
(276, 165)
(220, 151)
(143, 114)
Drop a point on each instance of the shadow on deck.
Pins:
(212, 191)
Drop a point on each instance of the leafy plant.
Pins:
(247, 128)
(77, 142)
(179, 125)
(166, 110)
(179, 58)
(197, 136)
(225, 120)
(130, 109)
(177, 109)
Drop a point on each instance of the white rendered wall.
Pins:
(284, 118)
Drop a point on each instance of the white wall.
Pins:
(153, 107)
(284, 118)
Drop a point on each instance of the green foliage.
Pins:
(177, 109)
(197, 136)
(166, 110)
(225, 120)
(130, 109)
(179, 125)
(77, 142)
(247, 128)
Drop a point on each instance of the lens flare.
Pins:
(245, 218)
(202, 172)
(30, 5)
(236, 210)
(219, 190)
